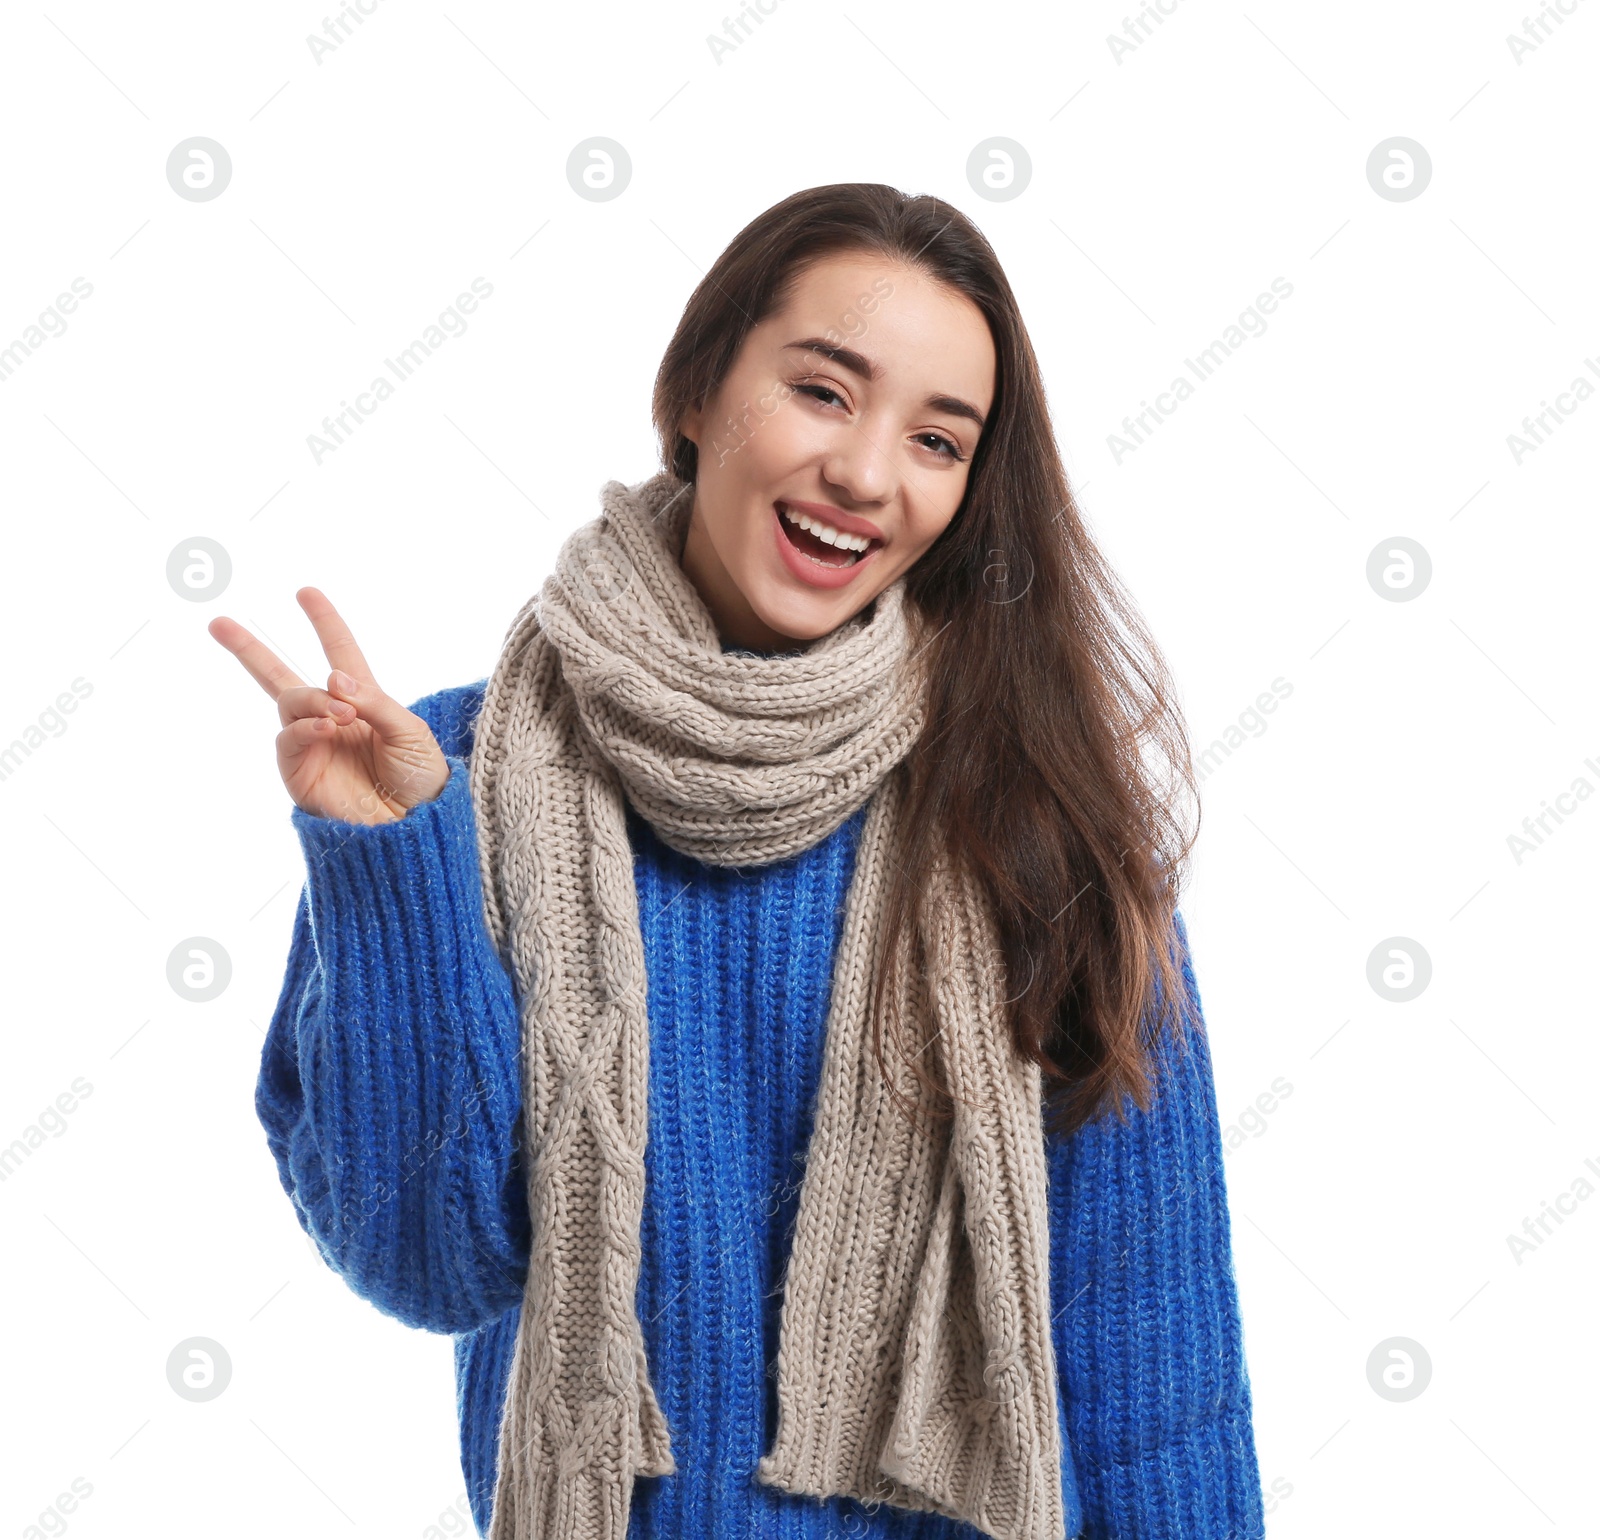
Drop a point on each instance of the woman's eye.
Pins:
(948, 451)
(819, 391)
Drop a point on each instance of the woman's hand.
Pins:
(350, 751)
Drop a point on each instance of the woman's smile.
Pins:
(829, 559)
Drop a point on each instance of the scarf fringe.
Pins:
(554, 1487)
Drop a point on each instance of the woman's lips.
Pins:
(814, 573)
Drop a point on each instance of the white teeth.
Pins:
(825, 531)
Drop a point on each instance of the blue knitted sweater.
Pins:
(390, 1091)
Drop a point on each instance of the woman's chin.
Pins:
(796, 619)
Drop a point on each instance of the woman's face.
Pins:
(858, 406)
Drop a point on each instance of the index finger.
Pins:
(260, 661)
(334, 634)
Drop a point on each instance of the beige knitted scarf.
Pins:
(915, 1363)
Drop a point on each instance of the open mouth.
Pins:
(835, 550)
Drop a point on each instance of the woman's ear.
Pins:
(689, 427)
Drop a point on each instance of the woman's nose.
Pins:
(861, 470)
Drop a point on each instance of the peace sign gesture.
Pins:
(349, 752)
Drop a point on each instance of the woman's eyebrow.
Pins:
(848, 358)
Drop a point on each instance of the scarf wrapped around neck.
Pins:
(915, 1362)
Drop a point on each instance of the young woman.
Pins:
(755, 1019)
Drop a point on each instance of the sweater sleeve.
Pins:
(1148, 1334)
(390, 1080)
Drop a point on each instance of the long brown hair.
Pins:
(1053, 753)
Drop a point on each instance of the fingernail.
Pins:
(342, 681)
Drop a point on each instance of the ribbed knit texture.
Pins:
(389, 1090)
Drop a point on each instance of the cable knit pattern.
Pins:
(389, 1091)
(915, 1362)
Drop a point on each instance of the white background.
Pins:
(1167, 190)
